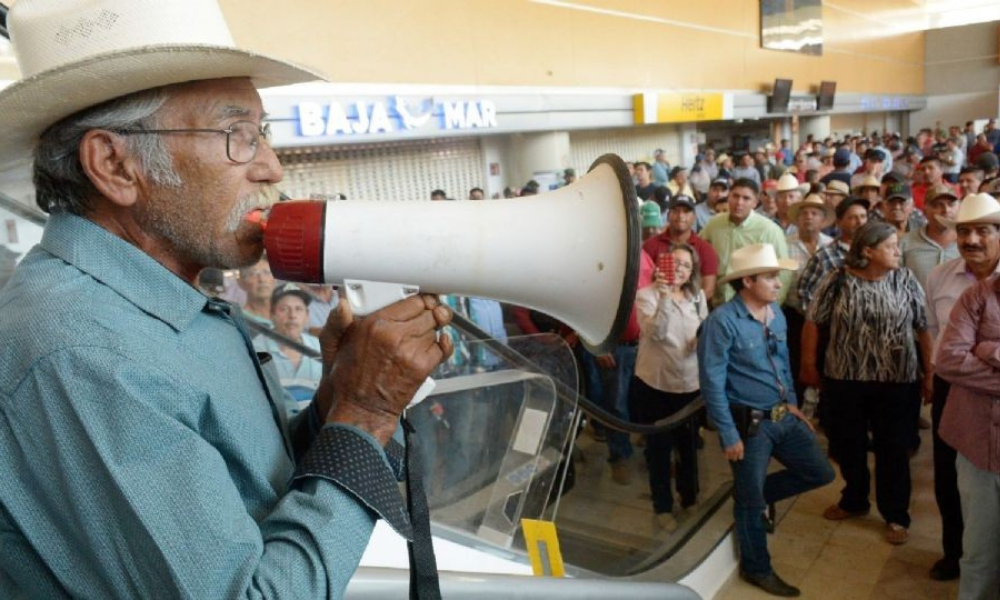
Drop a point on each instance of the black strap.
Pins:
(424, 583)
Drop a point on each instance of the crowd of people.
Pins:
(883, 236)
(830, 272)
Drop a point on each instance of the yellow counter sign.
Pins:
(679, 107)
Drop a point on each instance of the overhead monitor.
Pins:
(780, 95)
(827, 91)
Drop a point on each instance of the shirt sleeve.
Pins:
(821, 310)
(932, 321)
(956, 361)
(918, 302)
(151, 504)
(709, 259)
(807, 279)
(781, 249)
(714, 345)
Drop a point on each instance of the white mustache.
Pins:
(263, 199)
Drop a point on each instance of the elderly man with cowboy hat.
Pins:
(788, 192)
(748, 390)
(977, 227)
(142, 441)
(808, 238)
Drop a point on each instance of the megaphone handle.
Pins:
(368, 296)
(422, 392)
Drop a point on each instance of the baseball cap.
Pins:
(938, 191)
(720, 182)
(290, 289)
(988, 161)
(841, 157)
(875, 154)
(900, 190)
(650, 212)
(682, 200)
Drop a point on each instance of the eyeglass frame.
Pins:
(263, 132)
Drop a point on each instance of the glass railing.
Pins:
(511, 441)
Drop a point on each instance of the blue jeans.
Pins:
(794, 446)
(614, 399)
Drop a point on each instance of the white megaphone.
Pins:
(572, 254)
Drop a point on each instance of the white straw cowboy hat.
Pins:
(74, 54)
(975, 208)
(755, 259)
(811, 201)
(788, 183)
(836, 186)
(870, 181)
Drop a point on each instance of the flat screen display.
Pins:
(780, 95)
(827, 91)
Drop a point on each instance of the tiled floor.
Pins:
(850, 560)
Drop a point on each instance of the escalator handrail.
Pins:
(564, 392)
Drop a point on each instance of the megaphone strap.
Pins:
(424, 584)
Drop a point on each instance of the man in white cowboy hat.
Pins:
(928, 246)
(749, 394)
(788, 192)
(143, 447)
(977, 226)
(808, 238)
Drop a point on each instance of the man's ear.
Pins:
(112, 170)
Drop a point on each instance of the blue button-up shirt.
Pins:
(743, 363)
(142, 452)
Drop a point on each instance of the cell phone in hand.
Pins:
(665, 264)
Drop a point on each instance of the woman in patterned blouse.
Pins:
(878, 348)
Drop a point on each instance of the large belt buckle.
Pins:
(779, 412)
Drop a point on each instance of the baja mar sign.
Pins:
(362, 118)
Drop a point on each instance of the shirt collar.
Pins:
(743, 312)
(119, 265)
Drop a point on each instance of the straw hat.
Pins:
(868, 182)
(74, 54)
(976, 208)
(755, 259)
(788, 183)
(837, 186)
(813, 201)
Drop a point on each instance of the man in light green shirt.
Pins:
(743, 226)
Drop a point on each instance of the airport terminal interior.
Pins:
(647, 218)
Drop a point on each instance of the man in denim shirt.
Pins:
(143, 446)
(748, 389)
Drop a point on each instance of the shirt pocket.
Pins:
(749, 342)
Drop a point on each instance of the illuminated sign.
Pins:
(884, 103)
(396, 114)
(653, 107)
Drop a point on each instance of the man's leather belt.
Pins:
(775, 413)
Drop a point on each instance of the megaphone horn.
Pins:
(572, 253)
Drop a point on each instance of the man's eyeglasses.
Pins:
(242, 138)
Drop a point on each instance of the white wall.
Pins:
(961, 75)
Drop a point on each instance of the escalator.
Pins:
(507, 442)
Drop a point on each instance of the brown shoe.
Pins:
(835, 513)
(896, 534)
(621, 473)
